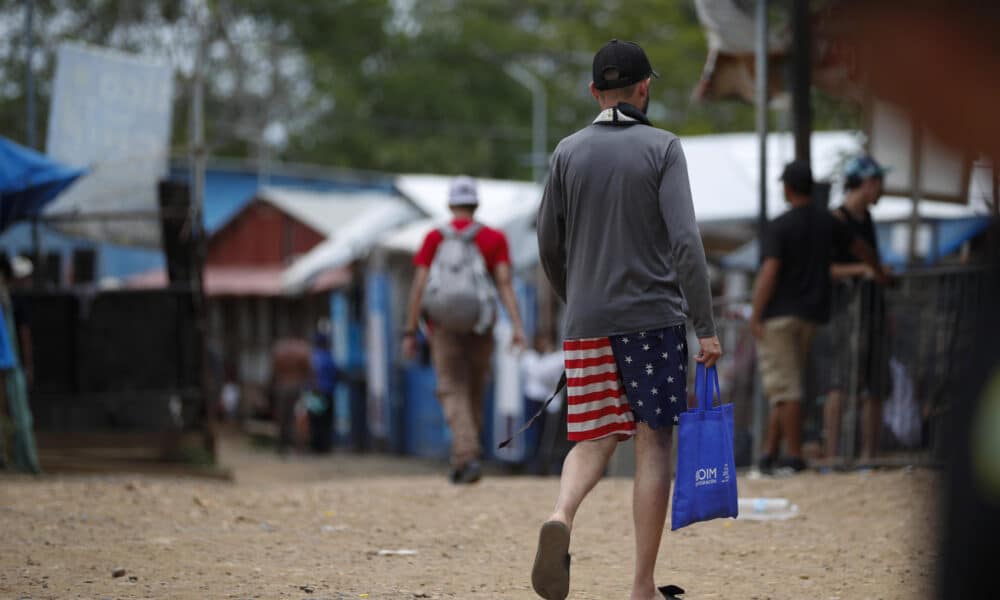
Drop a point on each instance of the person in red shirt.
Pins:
(462, 360)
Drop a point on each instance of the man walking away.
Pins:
(791, 299)
(619, 244)
(459, 270)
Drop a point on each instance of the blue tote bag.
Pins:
(705, 485)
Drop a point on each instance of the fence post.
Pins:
(850, 431)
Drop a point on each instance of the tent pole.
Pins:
(29, 72)
(915, 162)
(761, 102)
(801, 79)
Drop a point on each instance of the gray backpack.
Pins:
(460, 295)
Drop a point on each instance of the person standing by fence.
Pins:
(790, 300)
(859, 306)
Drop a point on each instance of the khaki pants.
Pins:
(784, 352)
(462, 363)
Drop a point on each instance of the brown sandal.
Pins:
(550, 575)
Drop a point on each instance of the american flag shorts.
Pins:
(614, 382)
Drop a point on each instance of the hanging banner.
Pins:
(110, 113)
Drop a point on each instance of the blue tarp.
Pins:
(28, 181)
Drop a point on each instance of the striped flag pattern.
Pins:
(597, 406)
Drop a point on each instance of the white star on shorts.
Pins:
(681, 367)
(628, 359)
(679, 346)
(642, 334)
(635, 384)
(664, 355)
(624, 340)
(655, 391)
(673, 399)
(638, 402)
(676, 419)
(670, 379)
(645, 347)
(659, 410)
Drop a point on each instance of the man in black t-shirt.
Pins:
(859, 304)
(791, 298)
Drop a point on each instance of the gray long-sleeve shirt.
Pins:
(617, 233)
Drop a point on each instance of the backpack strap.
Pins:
(469, 233)
(449, 232)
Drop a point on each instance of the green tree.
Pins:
(392, 85)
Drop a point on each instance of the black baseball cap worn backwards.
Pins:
(620, 64)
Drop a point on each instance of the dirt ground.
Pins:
(313, 528)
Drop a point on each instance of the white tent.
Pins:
(724, 170)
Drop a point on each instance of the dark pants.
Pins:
(321, 426)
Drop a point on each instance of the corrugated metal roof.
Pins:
(354, 236)
(326, 212)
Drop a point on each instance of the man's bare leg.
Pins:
(831, 425)
(772, 439)
(871, 425)
(650, 495)
(791, 424)
(583, 468)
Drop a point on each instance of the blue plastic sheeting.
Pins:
(28, 181)
(947, 236)
(426, 433)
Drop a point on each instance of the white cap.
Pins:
(463, 192)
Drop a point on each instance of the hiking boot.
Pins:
(766, 465)
(470, 473)
(794, 463)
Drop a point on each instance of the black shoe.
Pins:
(794, 463)
(766, 465)
(470, 473)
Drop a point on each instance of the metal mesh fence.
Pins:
(904, 344)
